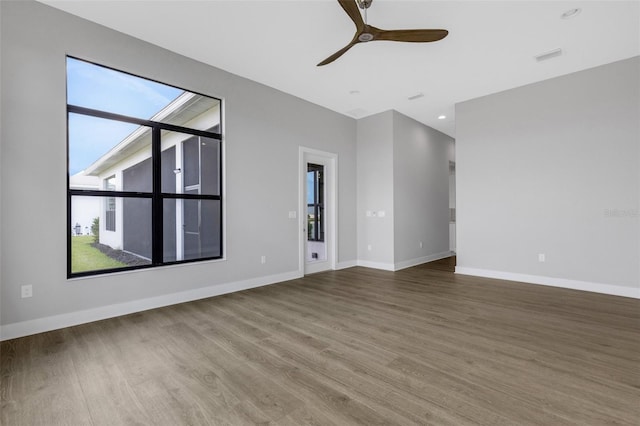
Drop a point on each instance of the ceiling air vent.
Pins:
(548, 55)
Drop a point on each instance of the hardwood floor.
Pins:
(357, 346)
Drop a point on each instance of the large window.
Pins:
(144, 172)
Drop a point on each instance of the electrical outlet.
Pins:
(27, 291)
(292, 214)
(420, 244)
(369, 247)
(542, 257)
(263, 259)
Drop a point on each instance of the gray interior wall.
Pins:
(421, 189)
(452, 195)
(375, 188)
(553, 168)
(263, 129)
(1, 161)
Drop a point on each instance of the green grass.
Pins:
(87, 258)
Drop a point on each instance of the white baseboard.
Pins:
(420, 260)
(376, 265)
(346, 264)
(40, 325)
(405, 263)
(614, 290)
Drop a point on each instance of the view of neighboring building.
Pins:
(188, 166)
(85, 209)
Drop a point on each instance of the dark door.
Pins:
(201, 217)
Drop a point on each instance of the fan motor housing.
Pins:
(365, 37)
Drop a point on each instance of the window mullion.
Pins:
(156, 203)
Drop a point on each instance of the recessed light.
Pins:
(442, 117)
(571, 13)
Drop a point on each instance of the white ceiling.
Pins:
(490, 47)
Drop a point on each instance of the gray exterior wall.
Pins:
(263, 130)
(553, 168)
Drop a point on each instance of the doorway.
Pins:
(318, 210)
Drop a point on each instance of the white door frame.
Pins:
(330, 162)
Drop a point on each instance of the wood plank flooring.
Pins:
(357, 346)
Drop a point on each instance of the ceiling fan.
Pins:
(366, 32)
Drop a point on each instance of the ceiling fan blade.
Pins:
(366, 32)
(352, 10)
(337, 54)
(415, 36)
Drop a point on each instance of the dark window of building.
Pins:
(144, 164)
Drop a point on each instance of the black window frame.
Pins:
(156, 195)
